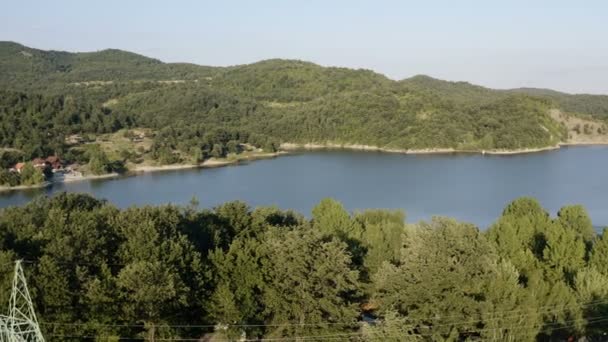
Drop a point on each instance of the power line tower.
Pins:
(21, 324)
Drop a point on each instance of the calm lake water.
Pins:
(473, 188)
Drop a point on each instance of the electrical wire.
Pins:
(572, 324)
(547, 309)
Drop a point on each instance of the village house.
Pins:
(40, 163)
(74, 139)
(55, 163)
(17, 168)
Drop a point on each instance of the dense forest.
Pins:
(46, 96)
(33, 125)
(101, 273)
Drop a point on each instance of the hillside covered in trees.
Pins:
(101, 273)
(48, 95)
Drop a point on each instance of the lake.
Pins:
(469, 187)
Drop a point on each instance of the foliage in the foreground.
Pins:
(179, 272)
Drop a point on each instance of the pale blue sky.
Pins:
(554, 44)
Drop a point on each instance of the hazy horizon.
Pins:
(547, 44)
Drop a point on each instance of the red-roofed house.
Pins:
(55, 162)
(18, 167)
(39, 162)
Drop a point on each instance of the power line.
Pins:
(120, 338)
(596, 319)
(531, 312)
(571, 324)
(589, 320)
(528, 311)
(205, 325)
(99, 264)
(540, 309)
(547, 309)
(21, 323)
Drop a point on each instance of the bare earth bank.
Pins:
(319, 146)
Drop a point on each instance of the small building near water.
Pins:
(39, 163)
(17, 168)
(55, 163)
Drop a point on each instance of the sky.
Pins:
(555, 44)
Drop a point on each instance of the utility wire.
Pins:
(547, 309)
(572, 323)
(99, 264)
(530, 312)
(361, 334)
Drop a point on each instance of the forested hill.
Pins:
(595, 105)
(279, 100)
(26, 68)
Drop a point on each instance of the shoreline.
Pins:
(358, 147)
(139, 169)
(83, 178)
(25, 187)
(207, 164)
(58, 180)
(287, 148)
(585, 143)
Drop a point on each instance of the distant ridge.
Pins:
(60, 59)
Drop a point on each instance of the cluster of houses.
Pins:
(52, 163)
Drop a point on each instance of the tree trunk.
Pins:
(151, 333)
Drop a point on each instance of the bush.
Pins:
(8, 178)
(31, 175)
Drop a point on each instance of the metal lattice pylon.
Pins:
(21, 324)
